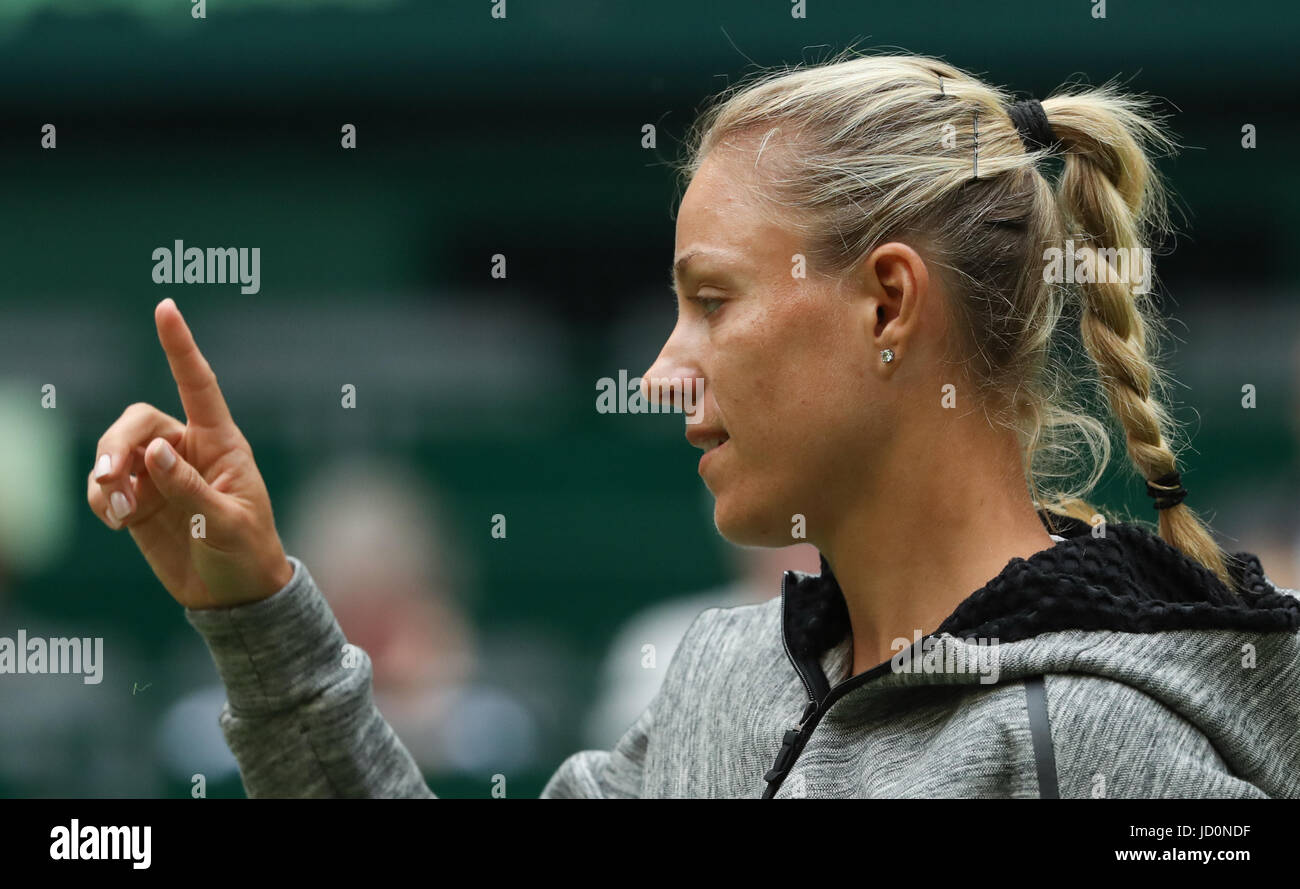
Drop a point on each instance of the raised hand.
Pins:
(190, 493)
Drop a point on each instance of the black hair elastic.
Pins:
(1031, 122)
(1165, 499)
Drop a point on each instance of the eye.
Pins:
(708, 304)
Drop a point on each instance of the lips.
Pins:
(714, 442)
(707, 439)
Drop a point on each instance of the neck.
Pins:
(909, 554)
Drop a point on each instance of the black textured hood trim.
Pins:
(1130, 580)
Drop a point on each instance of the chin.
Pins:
(746, 525)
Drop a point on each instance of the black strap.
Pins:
(1040, 729)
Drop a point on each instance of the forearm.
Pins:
(300, 717)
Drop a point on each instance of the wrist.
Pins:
(279, 578)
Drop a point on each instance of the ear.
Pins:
(896, 283)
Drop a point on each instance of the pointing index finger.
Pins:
(200, 395)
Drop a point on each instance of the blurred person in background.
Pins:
(375, 537)
(402, 604)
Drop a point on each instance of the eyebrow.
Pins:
(679, 268)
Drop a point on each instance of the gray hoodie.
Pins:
(1104, 666)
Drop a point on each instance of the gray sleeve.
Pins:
(299, 715)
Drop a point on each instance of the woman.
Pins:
(863, 264)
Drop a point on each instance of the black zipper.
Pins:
(795, 739)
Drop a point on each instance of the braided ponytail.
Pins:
(1111, 196)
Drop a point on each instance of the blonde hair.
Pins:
(881, 147)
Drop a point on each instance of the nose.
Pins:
(675, 381)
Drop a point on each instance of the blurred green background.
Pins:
(521, 136)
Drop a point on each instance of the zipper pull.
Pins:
(808, 711)
(785, 757)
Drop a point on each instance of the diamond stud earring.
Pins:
(886, 355)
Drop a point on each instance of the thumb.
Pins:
(177, 481)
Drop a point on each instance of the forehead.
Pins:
(719, 189)
(720, 214)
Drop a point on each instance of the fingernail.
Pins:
(104, 466)
(162, 453)
(113, 523)
(121, 506)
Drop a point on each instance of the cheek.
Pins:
(793, 398)
(797, 374)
